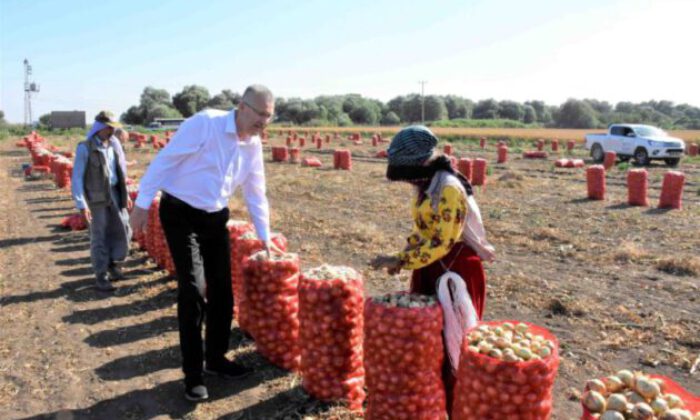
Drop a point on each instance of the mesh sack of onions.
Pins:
(331, 302)
(236, 228)
(403, 356)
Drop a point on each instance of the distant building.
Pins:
(166, 123)
(67, 119)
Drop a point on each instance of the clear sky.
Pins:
(89, 55)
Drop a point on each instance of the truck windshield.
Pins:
(646, 131)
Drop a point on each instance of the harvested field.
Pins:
(619, 286)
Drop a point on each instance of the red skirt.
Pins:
(463, 261)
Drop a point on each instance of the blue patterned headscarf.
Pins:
(412, 146)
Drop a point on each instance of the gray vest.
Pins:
(96, 178)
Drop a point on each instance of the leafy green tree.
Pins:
(435, 108)
(576, 114)
(390, 118)
(511, 110)
(45, 120)
(530, 115)
(134, 115)
(486, 109)
(191, 100)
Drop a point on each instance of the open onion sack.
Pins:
(403, 357)
(498, 388)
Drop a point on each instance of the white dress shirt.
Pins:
(203, 165)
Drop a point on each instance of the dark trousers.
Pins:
(200, 247)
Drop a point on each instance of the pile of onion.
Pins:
(510, 343)
(627, 395)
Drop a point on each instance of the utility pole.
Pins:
(422, 101)
(29, 87)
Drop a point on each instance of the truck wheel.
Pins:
(641, 156)
(597, 153)
(672, 162)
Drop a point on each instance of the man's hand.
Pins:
(138, 219)
(270, 248)
(390, 262)
(86, 215)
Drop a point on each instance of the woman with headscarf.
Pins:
(442, 239)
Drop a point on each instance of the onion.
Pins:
(642, 411)
(627, 377)
(674, 401)
(613, 383)
(647, 388)
(676, 414)
(593, 401)
(617, 402)
(596, 385)
(612, 415)
(659, 405)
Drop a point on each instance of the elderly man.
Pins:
(212, 153)
(99, 192)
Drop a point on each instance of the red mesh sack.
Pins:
(311, 162)
(609, 160)
(382, 154)
(288, 141)
(280, 154)
(532, 154)
(465, 166)
(271, 287)
(690, 402)
(375, 141)
(672, 191)
(331, 302)
(482, 142)
(447, 149)
(488, 388)
(570, 145)
(73, 222)
(502, 154)
(562, 163)
(236, 228)
(595, 179)
(302, 141)
(294, 154)
(403, 357)
(637, 185)
(693, 149)
(479, 175)
(575, 163)
(342, 159)
(555, 145)
(540, 144)
(246, 245)
(319, 144)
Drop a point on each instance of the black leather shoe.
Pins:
(195, 390)
(227, 369)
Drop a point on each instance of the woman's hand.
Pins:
(390, 262)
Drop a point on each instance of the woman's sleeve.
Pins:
(424, 248)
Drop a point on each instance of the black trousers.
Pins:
(200, 247)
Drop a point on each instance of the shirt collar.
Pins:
(99, 143)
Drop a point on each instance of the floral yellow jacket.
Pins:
(434, 234)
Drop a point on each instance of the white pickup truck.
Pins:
(642, 143)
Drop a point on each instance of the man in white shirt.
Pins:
(211, 154)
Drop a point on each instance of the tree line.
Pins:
(354, 109)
